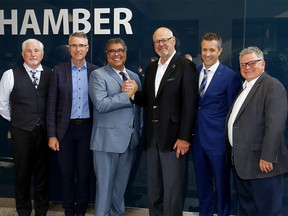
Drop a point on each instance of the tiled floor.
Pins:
(7, 209)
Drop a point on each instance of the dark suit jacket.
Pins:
(214, 107)
(60, 99)
(258, 130)
(171, 115)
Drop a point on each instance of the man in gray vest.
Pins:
(23, 93)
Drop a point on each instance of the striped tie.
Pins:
(124, 77)
(203, 84)
(34, 78)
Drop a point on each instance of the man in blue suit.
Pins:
(69, 125)
(116, 129)
(208, 147)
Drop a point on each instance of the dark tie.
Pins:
(203, 84)
(124, 77)
(34, 78)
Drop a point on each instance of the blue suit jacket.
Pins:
(60, 99)
(115, 119)
(214, 107)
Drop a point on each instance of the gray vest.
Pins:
(28, 105)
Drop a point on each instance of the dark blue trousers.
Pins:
(75, 165)
(212, 172)
(260, 197)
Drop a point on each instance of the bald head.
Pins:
(164, 43)
(163, 30)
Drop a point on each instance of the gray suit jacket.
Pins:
(115, 119)
(258, 130)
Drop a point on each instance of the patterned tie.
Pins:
(35, 79)
(203, 84)
(124, 77)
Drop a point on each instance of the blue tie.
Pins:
(203, 84)
(124, 77)
(35, 79)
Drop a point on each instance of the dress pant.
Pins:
(75, 164)
(31, 156)
(212, 173)
(112, 172)
(165, 178)
(260, 197)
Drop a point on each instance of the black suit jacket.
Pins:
(60, 99)
(171, 115)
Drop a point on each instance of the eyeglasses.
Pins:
(113, 52)
(250, 63)
(163, 41)
(81, 46)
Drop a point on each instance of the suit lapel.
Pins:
(250, 95)
(171, 67)
(214, 82)
(113, 74)
(68, 74)
(152, 79)
(89, 69)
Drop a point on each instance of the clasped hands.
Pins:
(130, 87)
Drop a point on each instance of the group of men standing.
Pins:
(78, 107)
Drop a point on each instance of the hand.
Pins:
(265, 166)
(54, 144)
(130, 87)
(181, 147)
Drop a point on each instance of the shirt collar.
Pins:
(250, 83)
(168, 61)
(118, 71)
(213, 68)
(74, 66)
(27, 68)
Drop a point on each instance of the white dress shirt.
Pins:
(210, 74)
(124, 71)
(247, 86)
(161, 71)
(6, 86)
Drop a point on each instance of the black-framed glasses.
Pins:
(250, 63)
(163, 41)
(113, 52)
(81, 46)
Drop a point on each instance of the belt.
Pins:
(80, 121)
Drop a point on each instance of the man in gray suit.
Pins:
(116, 129)
(256, 125)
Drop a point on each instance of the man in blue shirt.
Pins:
(70, 124)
